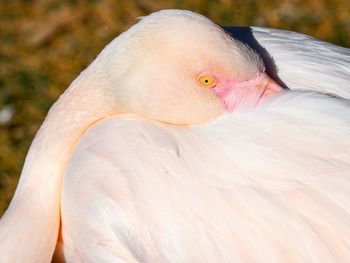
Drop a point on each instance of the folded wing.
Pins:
(301, 62)
(271, 185)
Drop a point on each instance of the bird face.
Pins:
(178, 67)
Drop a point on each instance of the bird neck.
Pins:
(30, 226)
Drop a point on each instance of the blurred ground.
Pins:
(45, 44)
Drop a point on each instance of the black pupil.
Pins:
(206, 81)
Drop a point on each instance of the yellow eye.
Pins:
(207, 81)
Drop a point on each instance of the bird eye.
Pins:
(207, 81)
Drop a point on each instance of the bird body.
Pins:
(175, 145)
(269, 185)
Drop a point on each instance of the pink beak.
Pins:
(246, 94)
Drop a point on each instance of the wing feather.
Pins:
(272, 185)
(301, 62)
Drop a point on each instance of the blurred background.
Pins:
(44, 44)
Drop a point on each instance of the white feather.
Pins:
(302, 62)
(270, 185)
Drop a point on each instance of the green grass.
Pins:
(45, 44)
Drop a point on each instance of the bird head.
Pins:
(179, 67)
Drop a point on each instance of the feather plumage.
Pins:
(301, 62)
(271, 185)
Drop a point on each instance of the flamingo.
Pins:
(175, 145)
